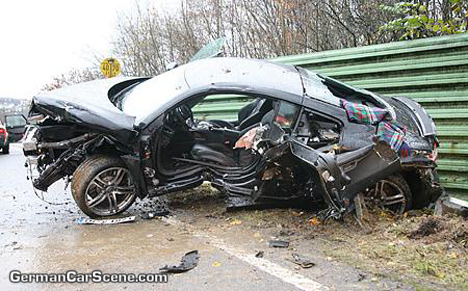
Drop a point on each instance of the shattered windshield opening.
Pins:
(332, 91)
(315, 87)
(121, 96)
(147, 97)
(349, 93)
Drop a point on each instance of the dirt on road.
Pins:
(425, 251)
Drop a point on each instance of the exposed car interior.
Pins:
(317, 131)
(187, 143)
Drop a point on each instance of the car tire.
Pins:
(6, 149)
(103, 186)
(396, 197)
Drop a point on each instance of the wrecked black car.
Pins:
(300, 136)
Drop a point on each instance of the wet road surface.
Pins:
(40, 238)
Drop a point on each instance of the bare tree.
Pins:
(73, 77)
(147, 40)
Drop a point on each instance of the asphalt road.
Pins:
(40, 238)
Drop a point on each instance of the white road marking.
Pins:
(286, 275)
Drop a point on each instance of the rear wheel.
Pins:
(391, 193)
(103, 186)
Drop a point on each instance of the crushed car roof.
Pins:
(258, 74)
(244, 72)
(246, 75)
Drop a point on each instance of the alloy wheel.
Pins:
(110, 192)
(386, 195)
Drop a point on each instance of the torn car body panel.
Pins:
(89, 104)
(302, 136)
(336, 178)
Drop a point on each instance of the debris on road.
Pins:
(278, 244)
(148, 215)
(259, 254)
(83, 221)
(302, 261)
(235, 222)
(152, 214)
(188, 262)
(314, 221)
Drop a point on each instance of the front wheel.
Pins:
(103, 186)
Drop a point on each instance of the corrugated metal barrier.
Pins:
(432, 71)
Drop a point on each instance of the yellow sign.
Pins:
(110, 67)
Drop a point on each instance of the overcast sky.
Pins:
(40, 39)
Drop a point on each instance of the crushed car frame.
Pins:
(302, 136)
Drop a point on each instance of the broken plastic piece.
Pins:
(82, 220)
(188, 262)
(302, 261)
(278, 243)
(153, 214)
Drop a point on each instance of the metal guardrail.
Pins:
(431, 71)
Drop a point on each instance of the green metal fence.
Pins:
(432, 71)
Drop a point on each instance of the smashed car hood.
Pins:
(88, 104)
